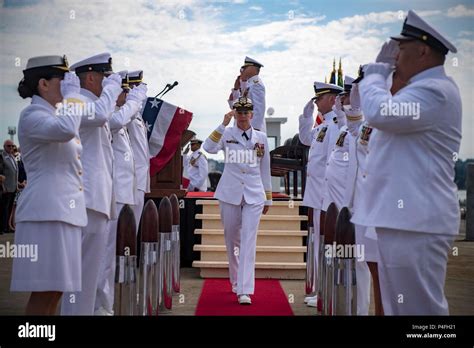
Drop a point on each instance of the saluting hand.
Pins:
(228, 117)
(388, 53)
(70, 84)
(237, 83)
(137, 94)
(113, 80)
(308, 109)
(355, 97)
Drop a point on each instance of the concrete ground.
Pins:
(459, 285)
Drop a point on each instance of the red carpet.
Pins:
(218, 299)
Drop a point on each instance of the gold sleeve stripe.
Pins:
(75, 101)
(354, 118)
(215, 136)
(268, 195)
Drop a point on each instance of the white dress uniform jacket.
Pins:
(197, 170)
(124, 161)
(256, 93)
(251, 179)
(337, 171)
(321, 139)
(97, 156)
(411, 170)
(51, 150)
(138, 138)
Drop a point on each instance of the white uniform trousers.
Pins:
(106, 285)
(93, 247)
(412, 271)
(316, 227)
(138, 207)
(362, 269)
(240, 233)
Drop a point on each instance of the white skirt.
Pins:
(51, 258)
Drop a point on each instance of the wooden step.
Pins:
(267, 222)
(264, 237)
(264, 253)
(216, 202)
(274, 270)
(258, 265)
(277, 207)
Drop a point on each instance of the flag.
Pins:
(165, 124)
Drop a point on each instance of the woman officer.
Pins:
(51, 210)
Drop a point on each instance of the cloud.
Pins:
(255, 8)
(191, 42)
(460, 11)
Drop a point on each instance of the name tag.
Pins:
(231, 141)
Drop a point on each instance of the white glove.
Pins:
(340, 115)
(355, 97)
(388, 53)
(138, 93)
(383, 69)
(114, 80)
(70, 85)
(308, 109)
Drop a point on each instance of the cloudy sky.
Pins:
(202, 44)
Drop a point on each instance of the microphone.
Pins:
(167, 86)
(170, 87)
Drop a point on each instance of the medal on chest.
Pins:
(260, 149)
(322, 134)
(340, 140)
(365, 135)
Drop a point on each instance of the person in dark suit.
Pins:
(10, 184)
(21, 186)
(2, 179)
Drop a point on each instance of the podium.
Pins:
(168, 180)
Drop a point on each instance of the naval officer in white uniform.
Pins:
(321, 140)
(138, 138)
(338, 161)
(338, 169)
(51, 210)
(196, 167)
(249, 84)
(411, 200)
(101, 87)
(124, 183)
(244, 192)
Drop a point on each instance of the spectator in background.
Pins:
(2, 179)
(21, 185)
(10, 184)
